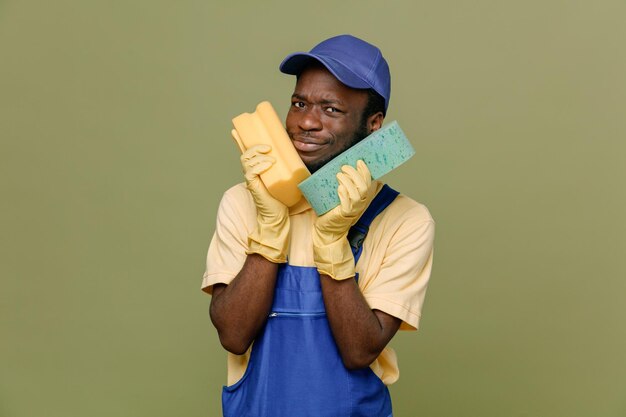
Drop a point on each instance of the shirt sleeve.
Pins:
(227, 250)
(400, 285)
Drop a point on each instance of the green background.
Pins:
(115, 150)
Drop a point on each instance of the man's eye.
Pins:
(298, 104)
(332, 109)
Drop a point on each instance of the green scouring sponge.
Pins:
(384, 150)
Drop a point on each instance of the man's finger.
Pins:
(358, 187)
(350, 194)
(260, 167)
(362, 178)
(258, 159)
(344, 199)
(364, 171)
(254, 151)
(348, 182)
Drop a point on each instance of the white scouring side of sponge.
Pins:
(382, 151)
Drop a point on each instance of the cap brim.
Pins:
(294, 64)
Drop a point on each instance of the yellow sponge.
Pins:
(264, 127)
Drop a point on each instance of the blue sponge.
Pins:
(384, 150)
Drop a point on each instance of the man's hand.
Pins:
(331, 250)
(360, 333)
(239, 310)
(271, 236)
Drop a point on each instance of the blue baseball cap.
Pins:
(354, 62)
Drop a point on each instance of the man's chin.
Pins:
(313, 164)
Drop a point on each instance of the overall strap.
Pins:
(357, 233)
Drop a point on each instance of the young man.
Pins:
(305, 326)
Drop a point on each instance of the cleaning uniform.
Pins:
(294, 367)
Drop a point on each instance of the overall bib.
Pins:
(295, 369)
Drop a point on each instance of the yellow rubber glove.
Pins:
(270, 239)
(331, 250)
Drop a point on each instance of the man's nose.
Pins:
(311, 119)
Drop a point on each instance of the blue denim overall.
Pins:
(295, 369)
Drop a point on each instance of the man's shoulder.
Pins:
(237, 199)
(404, 207)
(237, 193)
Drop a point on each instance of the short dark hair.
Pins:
(375, 104)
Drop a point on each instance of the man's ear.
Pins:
(375, 121)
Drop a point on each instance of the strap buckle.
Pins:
(356, 236)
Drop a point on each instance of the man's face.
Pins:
(325, 117)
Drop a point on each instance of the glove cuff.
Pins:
(271, 241)
(335, 260)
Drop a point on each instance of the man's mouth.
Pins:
(307, 145)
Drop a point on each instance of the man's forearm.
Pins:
(360, 333)
(240, 309)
